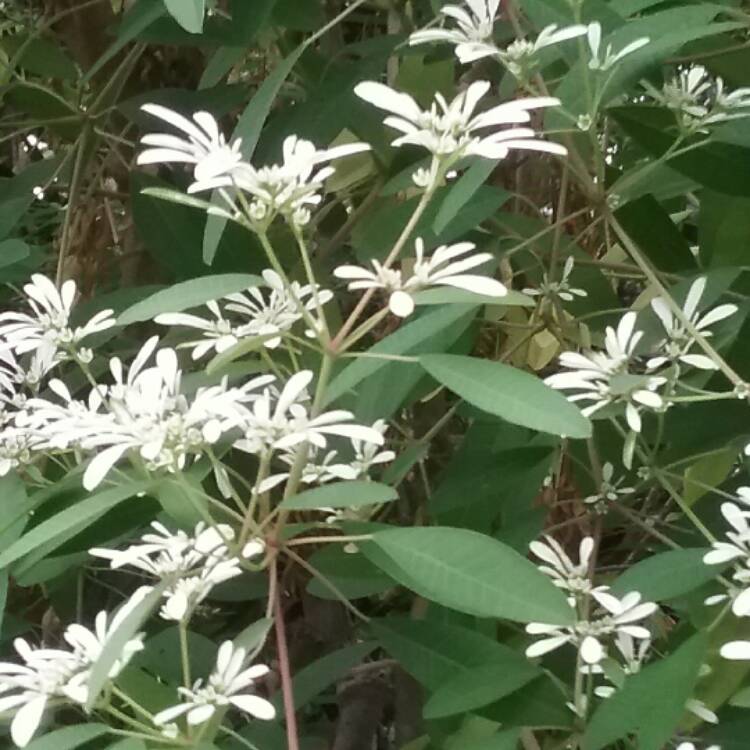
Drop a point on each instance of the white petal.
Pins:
(591, 650)
(741, 605)
(736, 650)
(101, 465)
(255, 706)
(26, 721)
(401, 304)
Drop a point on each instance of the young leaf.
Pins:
(667, 574)
(509, 393)
(188, 294)
(355, 494)
(469, 572)
(188, 13)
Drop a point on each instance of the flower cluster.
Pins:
(445, 267)
(736, 550)
(192, 564)
(53, 676)
(698, 100)
(250, 314)
(47, 331)
(229, 685)
(611, 616)
(561, 289)
(288, 189)
(472, 37)
(451, 131)
(618, 375)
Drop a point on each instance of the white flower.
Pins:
(230, 684)
(367, 454)
(88, 645)
(194, 564)
(289, 188)
(47, 330)
(50, 677)
(188, 592)
(520, 56)
(256, 314)
(560, 289)
(616, 616)
(605, 378)
(736, 549)
(698, 100)
(678, 342)
(205, 146)
(608, 58)
(609, 491)
(442, 268)
(144, 412)
(450, 131)
(472, 36)
(282, 421)
(33, 685)
(565, 574)
(280, 310)
(691, 746)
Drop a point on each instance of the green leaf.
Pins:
(723, 228)
(667, 575)
(132, 743)
(175, 196)
(249, 127)
(68, 738)
(413, 338)
(254, 635)
(445, 296)
(707, 472)
(509, 393)
(354, 494)
(116, 640)
(84, 514)
(140, 16)
(722, 166)
(435, 653)
(655, 232)
(11, 251)
(469, 572)
(482, 685)
(41, 56)
(313, 679)
(188, 13)
(651, 703)
(352, 574)
(188, 294)
(461, 193)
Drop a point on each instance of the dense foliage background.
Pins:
(390, 607)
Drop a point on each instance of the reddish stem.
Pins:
(286, 677)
